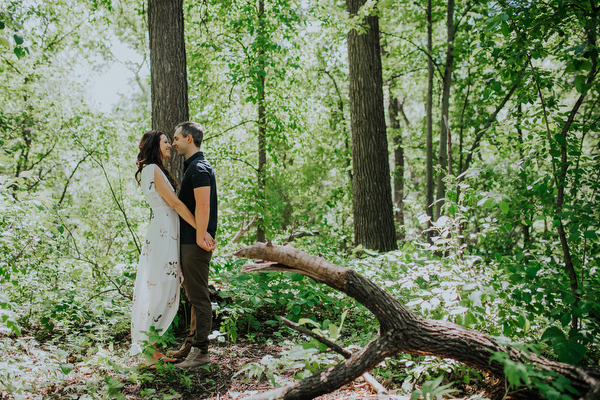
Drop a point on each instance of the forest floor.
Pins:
(32, 370)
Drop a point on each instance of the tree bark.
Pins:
(168, 72)
(262, 150)
(523, 178)
(371, 186)
(401, 331)
(339, 120)
(394, 109)
(429, 185)
(444, 124)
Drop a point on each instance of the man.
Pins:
(199, 193)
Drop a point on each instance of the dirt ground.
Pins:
(218, 382)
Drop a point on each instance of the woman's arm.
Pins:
(163, 188)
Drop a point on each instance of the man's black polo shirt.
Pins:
(197, 172)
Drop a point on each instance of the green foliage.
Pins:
(432, 389)
(251, 297)
(304, 359)
(71, 216)
(517, 374)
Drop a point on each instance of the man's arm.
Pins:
(202, 212)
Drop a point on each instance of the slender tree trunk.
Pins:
(443, 152)
(262, 150)
(524, 226)
(168, 72)
(561, 182)
(340, 120)
(394, 108)
(429, 124)
(372, 191)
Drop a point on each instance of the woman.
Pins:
(156, 290)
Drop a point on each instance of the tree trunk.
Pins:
(168, 72)
(444, 123)
(394, 108)
(401, 331)
(523, 177)
(371, 187)
(262, 150)
(429, 124)
(339, 122)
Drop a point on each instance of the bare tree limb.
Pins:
(243, 230)
(401, 331)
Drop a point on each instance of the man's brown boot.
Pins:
(194, 360)
(183, 351)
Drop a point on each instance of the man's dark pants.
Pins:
(195, 263)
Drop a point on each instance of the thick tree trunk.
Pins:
(394, 108)
(444, 117)
(371, 186)
(429, 208)
(401, 331)
(168, 72)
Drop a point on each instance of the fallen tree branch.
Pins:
(298, 235)
(243, 230)
(338, 349)
(401, 331)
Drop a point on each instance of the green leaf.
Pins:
(590, 235)
(560, 139)
(497, 86)
(532, 272)
(303, 321)
(574, 236)
(66, 368)
(553, 333)
(489, 203)
(580, 84)
(569, 351)
(333, 332)
(565, 319)
(585, 65)
(18, 39)
(570, 67)
(569, 299)
(504, 207)
(19, 52)
(505, 29)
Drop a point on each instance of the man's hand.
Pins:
(208, 243)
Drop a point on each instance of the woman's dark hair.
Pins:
(150, 154)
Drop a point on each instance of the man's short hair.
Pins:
(192, 128)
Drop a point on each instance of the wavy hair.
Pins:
(150, 154)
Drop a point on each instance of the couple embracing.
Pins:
(178, 245)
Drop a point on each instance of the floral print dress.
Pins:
(156, 290)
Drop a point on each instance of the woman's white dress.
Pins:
(156, 290)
